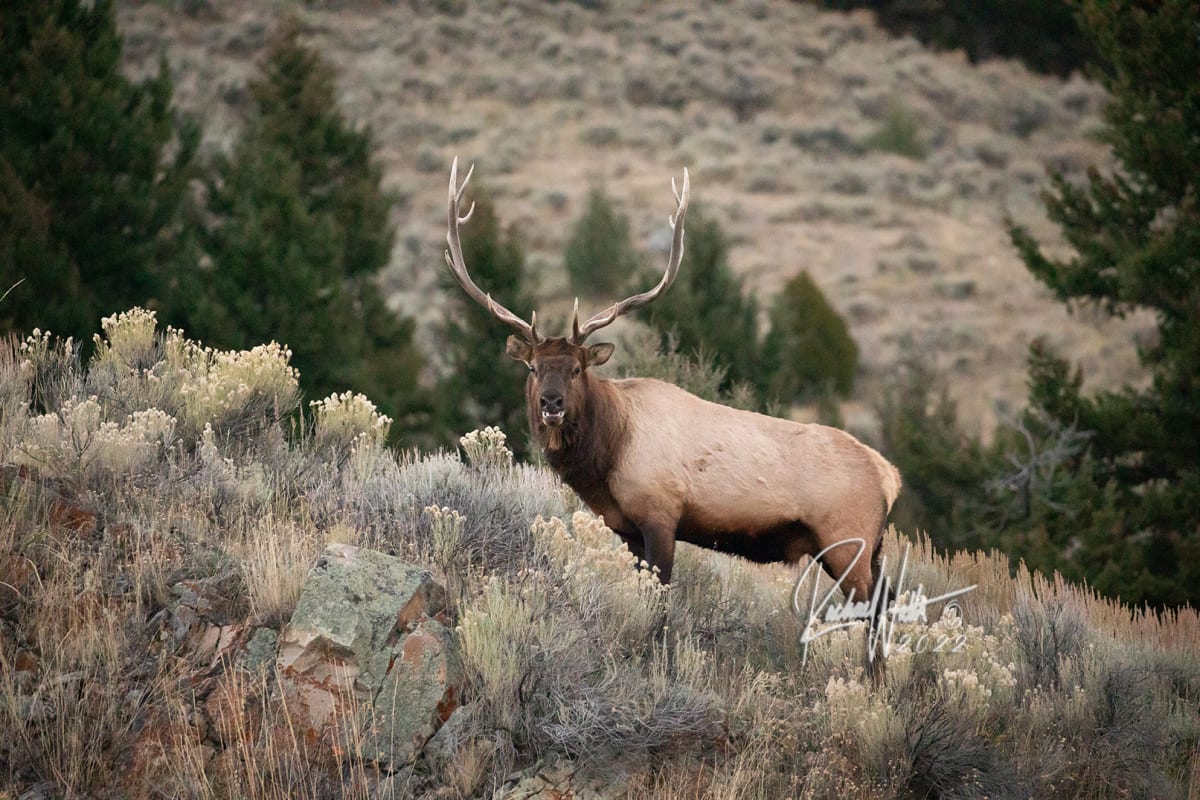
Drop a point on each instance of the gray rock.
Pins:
(350, 636)
(45, 790)
(558, 780)
(443, 747)
(260, 650)
(201, 604)
(420, 693)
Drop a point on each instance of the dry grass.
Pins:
(110, 689)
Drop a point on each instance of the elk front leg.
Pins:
(655, 517)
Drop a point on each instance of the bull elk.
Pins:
(661, 465)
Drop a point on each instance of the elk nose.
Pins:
(552, 403)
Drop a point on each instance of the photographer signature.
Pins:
(881, 622)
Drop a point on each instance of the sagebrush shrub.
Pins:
(535, 650)
(899, 133)
(349, 419)
(486, 448)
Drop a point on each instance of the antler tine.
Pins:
(461, 190)
(607, 316)
(458, 267)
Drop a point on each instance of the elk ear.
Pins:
(517, 348)
(599, 353)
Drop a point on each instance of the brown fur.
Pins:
(661, 465)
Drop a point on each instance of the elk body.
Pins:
(662, 465)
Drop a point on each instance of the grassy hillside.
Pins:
(163, 480)
(818, 142)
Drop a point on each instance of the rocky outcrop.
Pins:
(560, 780)
(206, 621)
(365, 657)
(424, 678)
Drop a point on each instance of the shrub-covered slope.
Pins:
(161, 470)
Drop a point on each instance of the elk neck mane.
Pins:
(585, 450)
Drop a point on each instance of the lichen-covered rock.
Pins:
(561, 780)
(259, 651)
(345, 639)
(442, 749)
(420, 693)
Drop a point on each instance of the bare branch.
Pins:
(1035, 479)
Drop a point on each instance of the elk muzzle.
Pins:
(553, 407)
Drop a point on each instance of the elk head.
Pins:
(557, 387)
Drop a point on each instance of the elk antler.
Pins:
(458, 267)
(580, 332)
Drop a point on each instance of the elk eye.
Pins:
(533, 369)
(576, 371)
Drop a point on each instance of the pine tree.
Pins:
(296, 103)
(298, 230)
(1042, 33)
(1136, 236)
(808, 352)
(89, 202)
(943, 470)
(483, 386)
(600, 257)
(705, 312)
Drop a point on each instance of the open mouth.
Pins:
(553, 418)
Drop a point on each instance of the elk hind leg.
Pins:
(849, 564)
(858, 573)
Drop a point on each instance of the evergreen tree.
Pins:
(1136, 236)
(298, 230)
(705, 311)
(296, 103)
(1042, 33)
(943, 470)
(89, 203)
(483, 386)
(808, 352)
(600, 257)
